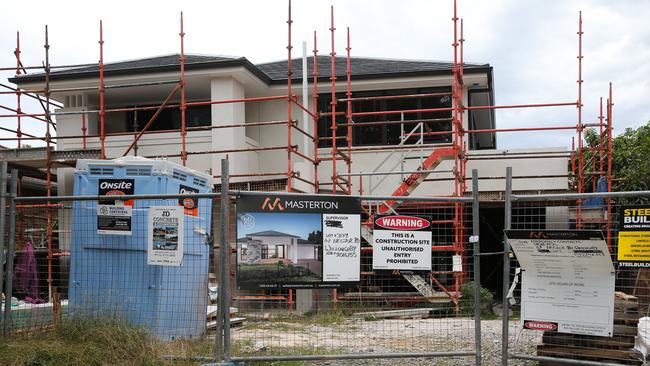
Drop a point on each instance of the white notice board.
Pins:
(166, 235)
(567, 281)
(341, 247)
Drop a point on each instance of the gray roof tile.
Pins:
(270, 72)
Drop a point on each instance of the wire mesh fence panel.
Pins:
(583, 300)
(387, 311)
(154, 265)
(140, 263)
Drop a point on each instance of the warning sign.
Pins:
(402, 243)
(634, 237)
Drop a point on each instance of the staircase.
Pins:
(413, 181)
(405, 188)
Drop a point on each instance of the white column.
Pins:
(225, 114)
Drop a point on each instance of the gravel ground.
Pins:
(383, 336)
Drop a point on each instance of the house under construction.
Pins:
(327, 121)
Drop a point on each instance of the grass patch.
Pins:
(81, 342)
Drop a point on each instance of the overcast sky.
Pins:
(532, 45)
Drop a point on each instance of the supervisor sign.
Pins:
(402, 243)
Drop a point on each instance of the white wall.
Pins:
(305, 251)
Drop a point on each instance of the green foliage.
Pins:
(631, 159)
(315, 237)
(467, 299)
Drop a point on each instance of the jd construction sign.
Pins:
(402, 243)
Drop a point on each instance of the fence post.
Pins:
(10, 250)
(225, 211)
(223, 311)
(506, 269)
(477, 265)
(3, 218)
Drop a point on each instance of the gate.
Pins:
(588, 211)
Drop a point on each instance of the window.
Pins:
(243, 254)
(273, 252)
(169, 118)
(481, 119)
(386, 129)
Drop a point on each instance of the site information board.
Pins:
(567, 280)
(402, 243)
(634, 237)
(289, 241)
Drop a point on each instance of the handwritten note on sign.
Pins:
(341, 247)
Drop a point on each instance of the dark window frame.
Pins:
(169, 118)
(386, 134)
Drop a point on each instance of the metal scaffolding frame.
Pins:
(600, 165)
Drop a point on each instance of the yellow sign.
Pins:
(634, 246)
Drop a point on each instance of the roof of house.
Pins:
(270, 72)
(271, 233)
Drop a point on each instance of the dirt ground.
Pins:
(379, 337)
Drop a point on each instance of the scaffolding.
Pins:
(585, 173)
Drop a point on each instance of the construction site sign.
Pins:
(634, 237)
(298, 241)
(402, 243)
(166, 236)
(567, 281)
(114, 217)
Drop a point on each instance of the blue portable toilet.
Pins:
(109, 275)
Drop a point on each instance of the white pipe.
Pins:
(305, 101)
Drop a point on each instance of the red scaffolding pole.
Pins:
(289, 106)
(18, 109)
(348, 94)
(315, 114)
(102, 131)
(333, 103)
(182, 91)
(579, 125)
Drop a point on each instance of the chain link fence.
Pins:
(148, 262)
(599, 212)
(152, 263)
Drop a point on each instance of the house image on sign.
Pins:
(271, 247)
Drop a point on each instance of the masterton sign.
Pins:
(289, 241)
